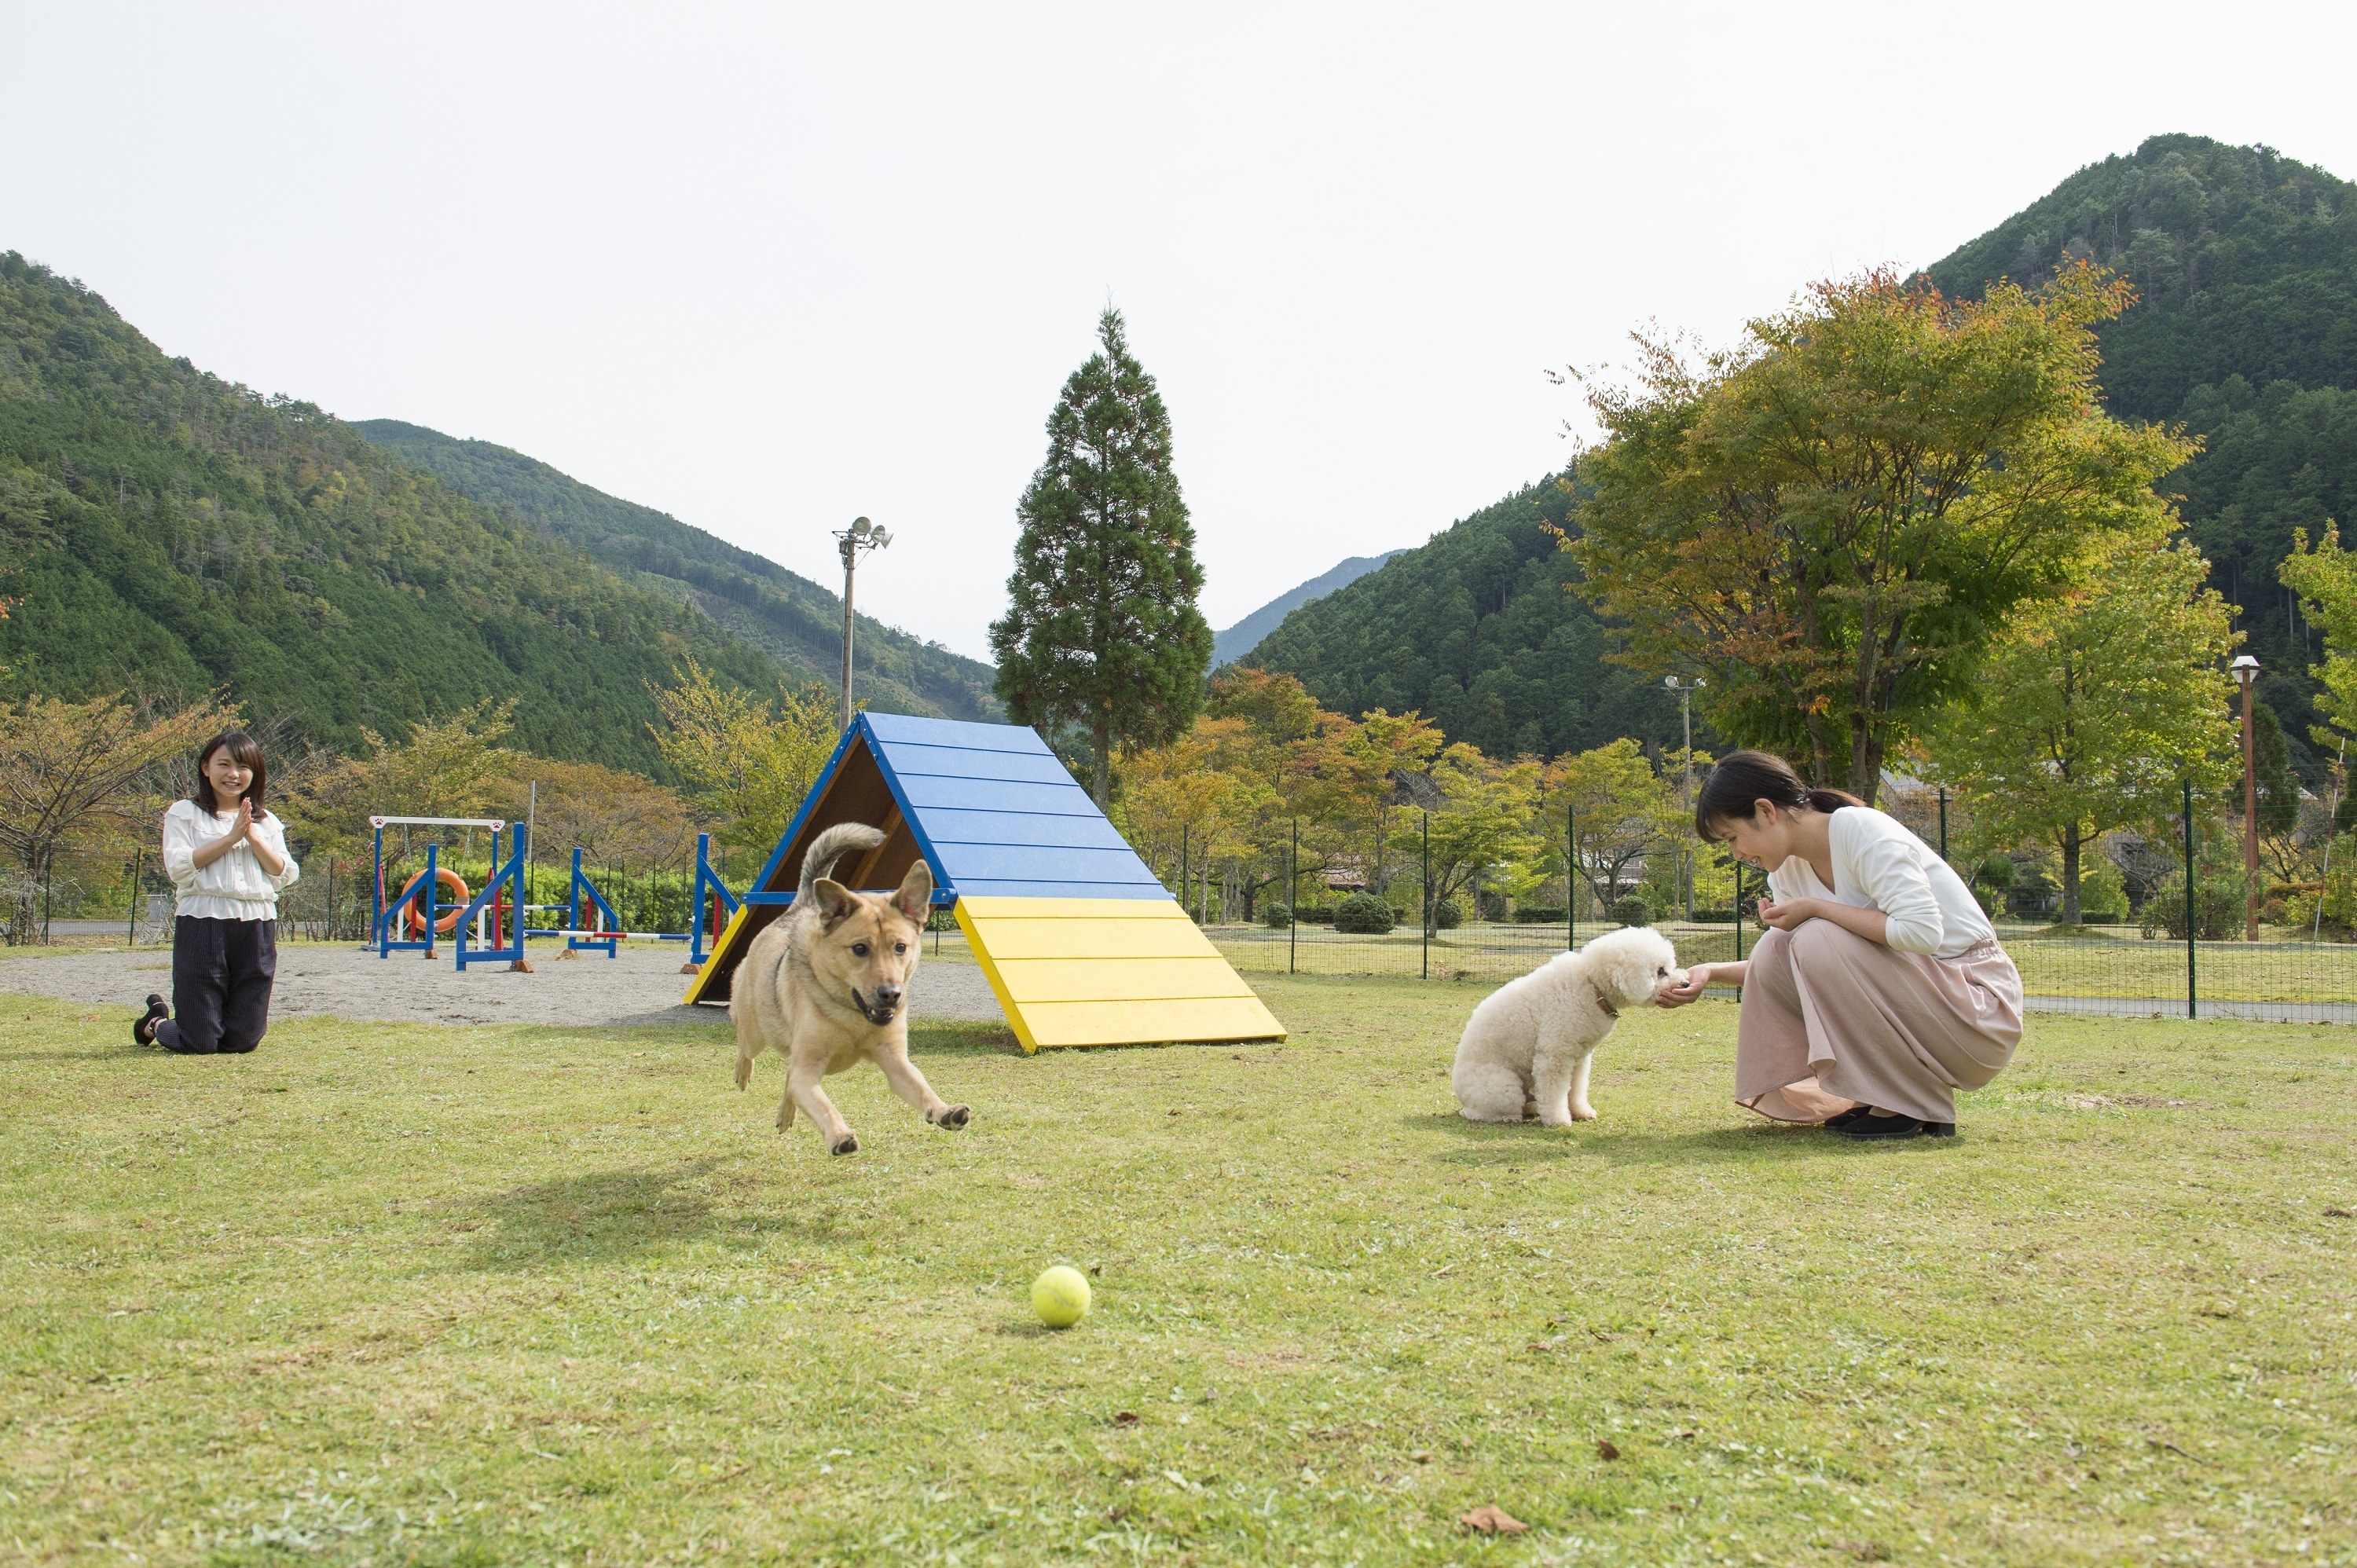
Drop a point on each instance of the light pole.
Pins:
(2246, 670)
(1685, 691)
(861, 535)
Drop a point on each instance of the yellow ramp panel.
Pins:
(1109, 972)
(712, 961)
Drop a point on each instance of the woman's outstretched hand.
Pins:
(1678, 994)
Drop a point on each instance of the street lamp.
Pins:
(2245, 670)
(1685, 691)
(861, 535)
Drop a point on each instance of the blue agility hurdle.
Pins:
(413, 920)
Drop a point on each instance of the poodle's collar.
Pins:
(1603, 1001)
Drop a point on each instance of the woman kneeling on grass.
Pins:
(228, 861)
(1881, 989)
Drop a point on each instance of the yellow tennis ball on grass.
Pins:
(1060, 1295)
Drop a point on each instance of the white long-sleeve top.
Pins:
(1880, 865)
(234, 886)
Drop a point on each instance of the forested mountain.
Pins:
(790, 617)
(2247, 334)
(1241, 639)
(1476, 630)
(168, 532)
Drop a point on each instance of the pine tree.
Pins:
(1102, 633)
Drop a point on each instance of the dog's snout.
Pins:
(887, 996)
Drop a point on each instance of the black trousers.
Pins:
(221, 975)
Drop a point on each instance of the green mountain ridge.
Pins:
(170, 534)
(1476, 628)
(791, 618)
(2247, 334)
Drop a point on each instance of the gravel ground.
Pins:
(642, 985)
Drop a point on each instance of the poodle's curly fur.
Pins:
(1526, 1049)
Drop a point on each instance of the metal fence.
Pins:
(2112, 970)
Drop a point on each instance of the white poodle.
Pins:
(1527, 1047)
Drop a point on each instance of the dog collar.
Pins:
(1603, 1001)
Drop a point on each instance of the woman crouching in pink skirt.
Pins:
(1880, 990)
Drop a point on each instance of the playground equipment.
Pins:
(591, 925)
(415, 920)
(1080, 942)
(497, 921)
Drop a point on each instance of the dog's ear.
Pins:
(915, 898)
(836, 903)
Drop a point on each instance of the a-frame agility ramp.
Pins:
(1079, 940)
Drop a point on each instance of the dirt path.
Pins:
(642, 985)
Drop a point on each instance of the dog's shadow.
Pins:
(1515, 1144)
(596, 1214)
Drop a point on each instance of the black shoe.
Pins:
(1855, 1114)
(1897, 1127)
(143, 1029)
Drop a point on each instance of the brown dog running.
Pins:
(827, 984)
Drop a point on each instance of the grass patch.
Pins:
(409, 1294)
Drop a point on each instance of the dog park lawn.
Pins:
(403, 1293)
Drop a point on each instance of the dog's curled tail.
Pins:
(833, 845)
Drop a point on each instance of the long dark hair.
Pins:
(244, 750)
(1740, 779)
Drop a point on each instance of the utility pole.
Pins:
(2246, 670)
(861, 535)
(1685, 691)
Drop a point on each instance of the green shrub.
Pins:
(1632, 910)
(1276, 917)
(1541, 914)
(1446, 915)
(1363, 915)
(2103, 892)
(1714, 916)
(2218, 896)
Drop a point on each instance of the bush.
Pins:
(1314, 913)
(1714, 916)
(1363, 915)
(1524, 914)
(1276, 917)
(2217, 905)
(1448, 915)
(2103, 892)
(1632, 912)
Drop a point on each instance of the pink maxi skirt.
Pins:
(1831, 1020)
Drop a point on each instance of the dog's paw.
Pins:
(846, 1144)
(1582, 1112)
(952, 1118)
(744, 1072)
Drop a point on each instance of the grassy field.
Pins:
(408, 1295)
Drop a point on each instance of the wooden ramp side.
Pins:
(1109, 972)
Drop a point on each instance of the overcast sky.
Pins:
(768, 267)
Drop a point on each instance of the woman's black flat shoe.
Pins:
(1897, 1127)
(143, 1029)
(1855, 1114)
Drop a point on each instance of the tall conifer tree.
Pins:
(1103, 631)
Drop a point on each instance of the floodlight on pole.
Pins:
(2245, 670)
(1685, 691)
(861, 535)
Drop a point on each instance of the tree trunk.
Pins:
(1101, 769)
(2070, 875)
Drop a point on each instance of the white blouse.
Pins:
(234, 886)
(1880, 865)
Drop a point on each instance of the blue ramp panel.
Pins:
(1080, 942)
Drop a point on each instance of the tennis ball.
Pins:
(1060, 1297)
